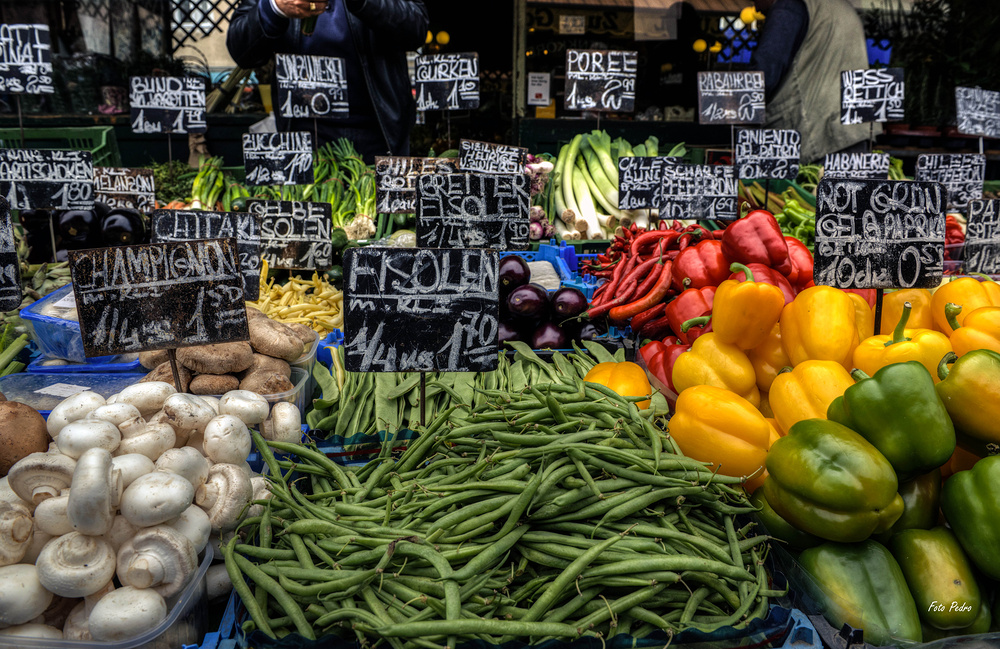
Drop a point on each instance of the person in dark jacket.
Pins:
(372, 36)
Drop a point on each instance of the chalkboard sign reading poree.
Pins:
(25, 59)
(10, 267)
(699, 192)
(311, 86)
(871, 95)
(278, 158)
(491, 158)
(133, 189)
(640, 181)
(42, 178)
(879, 234)
(857, 166)
(158, 296)
(981, 251)
(961, 173)
(601, 80)
(167, 104)
(447, 81)
(294, 234)
(730, 97)
(421, 310)
(977, 111)
(396, 180)
(473, 211)
(768, 153)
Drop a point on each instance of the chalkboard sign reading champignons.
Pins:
(41, 178)
(447, 81)
(699, 192)
(640, 181)
(981, 250)
(601, 80)
(167, 104)
(879, 234)
(278, 158)
(977, 111)
(125, 187)
(294, 234)
(10, 267)
(311, 86)
(473, 211)
(158, 296)
(25, 60)
(730, 97)
(491, 158)
(856, 166)
(421, 310)
(396, 180)
(871, 95)
(961, 173)
(768, 153)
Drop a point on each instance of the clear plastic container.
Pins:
(123, 363)
(55, 327)
(43, 391)
(296, 395)
(306, 362)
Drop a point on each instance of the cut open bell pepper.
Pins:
(807, 390)
(979, 330)
(926, 346)
(820, 324)
(966, 292)
(744, 313)
(713, 362)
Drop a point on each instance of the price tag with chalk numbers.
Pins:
(47, 178)
(871, 95)
(961, 173)
(167, 104)
(26, 59)
(447, 81)
(768, 153)
(601, 80)
(278, 158)
(977, 111)
(10, 266)
(731, 97)
(473, 211)
(311, 86)
(981, 250)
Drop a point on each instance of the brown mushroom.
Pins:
(305, 334)
(265, 363)
(163, 373)
(274, 339)
(221, 358)
(266, 383)
(152, 360)
(214, 383)
(22, 432)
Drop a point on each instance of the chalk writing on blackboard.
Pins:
(125, 187)
(699, 192)
(977, 111)
(768, 153)
(871, 95)
(278, 158)
(488, 157)
(447, 81)
(640, 181)
(10, 266)
(311, 86)
(856, 166)
(167, 104)
(981, 250)
(731, 97)
(473, 211)
(396, 180)
(41, 178)
(294, 234)
(962, 174)
(25, 59)
(601, 80)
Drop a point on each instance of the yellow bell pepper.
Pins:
(765, 405)
(743, 313)
(713, 362)
(753, 483)
(980, 330)
(925, 346)
(820, 324)
(768, 358)
(968, 293)
(864, 316)
(626, 378)
(715, 425)
(920, 308)
(805, 392)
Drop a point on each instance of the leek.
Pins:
(600, 142)
(623, 148)
(587, 215)
(652, 146)
(639, 150)
(562, 215)
(679, 151)
(569, 178)
(600, 188)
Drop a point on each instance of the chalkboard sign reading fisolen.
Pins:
(961, 173)
(977, 111)
(856, 166)
(158, 296)
(871, 95)
(10, 267)
(640, 181)
(447, 81)
(167, 104)
(421, 310)
(730, 97)
(133, 189)
(601, 80)
(396, 180)
(981, 250)
(699, 192)
(278, 158)
(879, 234)
(311, 86)
(25, 59)
(768, 153)
(473, 211)
(491, 158)
(294, 234)
(42, 178)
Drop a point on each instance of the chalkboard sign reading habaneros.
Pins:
(601, 80)
(10, 267)
(768, 153)
(447, 81)
(871, 95)
(41, 178)
(278, 158)
(124, 187)
(856, 166)
(640, 181)
(879, 234)
(421, 310)
(473, 211)
(491, 158)
(311, 86)
(396, 180)
(981, 250)
(977, 111)
(699, 192)
(25, 60)
(730, 97)
(158, 296)
(294, 234)
(961, 173)
(167, 104)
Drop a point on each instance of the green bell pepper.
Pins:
(827, 480)
(970, 391)
(901, 414)
(983, 624)
(921, 502)
(862, 585)
(778, 527)
(970, 501)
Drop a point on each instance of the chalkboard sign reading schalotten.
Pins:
(180, 225)
(961, 173)
(42, 178)
(473, 211)
(730, 97)
(487, 157)
(10, 267)
(158, 296)
(879, 234)
(640, 181)
(871, 95)
(294, 234)
(116, 187)
(396, 180)
(981, 251)
(311, 86)
(25, 59)
(856, 166)
(278, 158)
(421, 310)
(447, 81)
(167, 104)
(601, 80)
(699, 192)
(768, 153)
(977, 111)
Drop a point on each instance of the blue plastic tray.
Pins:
(115, 364)
(56, 337)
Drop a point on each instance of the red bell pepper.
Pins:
(660, 359)
(954, 237)
(702, 264)
(802, 262)
(757, 239)
(692, 303)
(767, 275)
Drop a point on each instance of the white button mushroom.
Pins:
(213, 402)
(156, 498)
(72, 408)
(218, 582)
(147, 397)
(82, 434)
(43, 631)
(95, 493)
(51, 516)
(284, 424)
(195, 525)
(151, 440)
(76, 627)
(22, 596)
(75, 565)
(116, 413)
(160, 558)
(7, 494)
(126, 613)
(15, 532)
(121, 531)
(224, 496)
(249, 406)
(227, 440)
(131, 466)
(41, 475)
(39, 540)
(187, 412)
(186, 462)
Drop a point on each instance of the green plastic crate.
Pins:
(99, 140)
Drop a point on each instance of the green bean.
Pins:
(467, 627)
(566, 577)
(276, 591)
(254, 609)
(669, 563)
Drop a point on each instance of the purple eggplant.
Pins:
(528, 301)
(509, 332)
(569, 302)
(514, 272)
(549, 336)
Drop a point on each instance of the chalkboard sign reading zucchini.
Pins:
(167, 104)
(447, 81)
(473, 211)
(601, 80)
(731, 97)
(396, 180)
(311, 86)
(125, 187)
(871, 95)
(977, 111)
(10, 267)
(47, 178)
(961, 173)
(293, 234)
(981, 250)
(25, 60)
(278, 158)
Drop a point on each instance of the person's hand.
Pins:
(301, 8)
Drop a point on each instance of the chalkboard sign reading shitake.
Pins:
(856, 166)
(125, 187)
(640, 181)
(181, 225)
(879, 234)
(396, 180)
(44, 178)
(421, 310)
(167, 104)
(692, 191)
(10, 267)
(871, 95)
(601, 80)
(158, 296)
(981, 250)
(25, 60)
(961, 173)
(447, 81)
(487, 157)
(473, 211)
(768, 153)
(977, 111)
(311, 86)
(731, 97)
(294, 234)
(278, 158)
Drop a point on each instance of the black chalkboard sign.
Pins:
(977, 111)
(396, 180)
(41, 178)
(447, 81)
(871, 95)
(981, 251)
(601, 80)
(25, 60)
(181, 225)
(421, 310)
(692, 191)
(473, 211)
(278, 158)
(487, 157)
(158, 296)
(768, 153)
(640, 181)
(730, 97)
(294, 234)
(311, 86)
(125, 187)
(10, 267)
(879, 234)
(167, 104)
(961, 173)
(856, 166)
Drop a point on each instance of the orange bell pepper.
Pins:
(805, 392)
(920, 309)
(980, 330)
(968, 293)
(820, 324)
(864, 316)
(925, 346)
(743, 313)
(626, 378)
(713, 362)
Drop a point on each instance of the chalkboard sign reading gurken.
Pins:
(640, 181)
(447, 81)
(124, 187)
(871, 95)
(42, 178)
(396, 180)
(857, 166)
(294, 234)
(601, 80)
(699, 192)
(25, 60)
(473, 211)
(278, 158)
(977, 111)
(426, 310)
(768, 153)
(167, 104)
(311, 86)
(10, 267)
(961, 173)
(491, 158)
(879, 234)
(981, 251)
(158, 296)
(730, 97)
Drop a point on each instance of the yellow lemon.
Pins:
(748, 15)
(442, 38)
(699, 45)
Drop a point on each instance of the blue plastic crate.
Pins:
(57, 337)
(549, 253)
(115, 364)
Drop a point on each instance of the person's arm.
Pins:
(253, 33)
(404, 22)
(779, 42)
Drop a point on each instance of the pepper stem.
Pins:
(898, 334)
(947, 360)
(858, 375)
(785, 369)
(695, 322)
(951, 311)
(737, 267)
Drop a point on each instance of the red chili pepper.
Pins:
(757, 239)
(656, 293)
(691, 303)
(604, 259)
(704, 264)
(640, 319)
(662, 225)
(597, 310)
(767, 275)
(649, 240)
(718, 234)
(802, 262)
(612, 285)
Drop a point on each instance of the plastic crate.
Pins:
(545, 252)
(99, 140)
(43, 391)
(58, 337)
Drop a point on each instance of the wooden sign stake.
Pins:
(447, 119)
(316, 131)
(20, 123)
(52, 235)
(423, 398)
(170, 146)
(980, 144)
(871, 136)
(878, 310)
(172, 354)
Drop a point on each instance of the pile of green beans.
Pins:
(557, 512)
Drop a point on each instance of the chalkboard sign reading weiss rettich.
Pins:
(871, 96)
